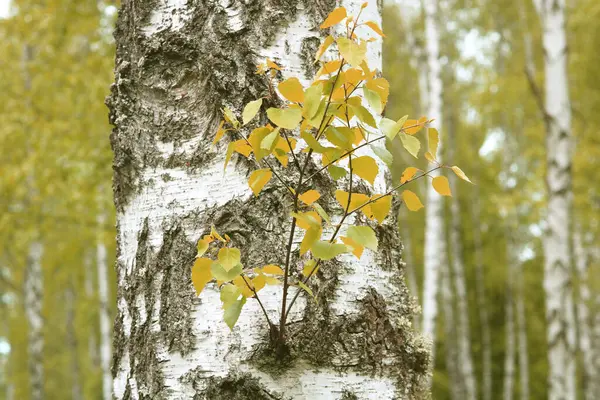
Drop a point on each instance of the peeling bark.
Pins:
(177, 64)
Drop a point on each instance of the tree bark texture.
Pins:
(33, 301)
(178, 63)
(560, 316)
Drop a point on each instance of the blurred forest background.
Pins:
(57, 235)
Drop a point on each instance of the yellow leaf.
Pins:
(287, 118)
(292, 90)
(352, 52)
(308, 268)
(441, 185)
(381, 86)
(256, 137)
(215, 234)
(334, 17)
(357, 200)
(201, 274)
(260, 281)
(307, 220)
(408, 174)
(202, 247)
(272, 269)
(366, 168)
(411, 200)
(411, 126)
(258, 179)
(357, 249)
(309, 197)
(434, 138)
(375, 27)
(323, 47)
(220, 132)
(282, 149)
(380, 208)
(429, 157)
(329, 67)
(310, 237)
(461, 174)
(244, 285)
(271, 64)
(251, 110)
(242, 147)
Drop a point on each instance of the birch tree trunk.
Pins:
(509, 346)
(486, 337)
(105, 325)
(588, 346)
(559, 145)
(76, 391)
(463, 330)
(456, 388)
(522, 335)
(33, 301)
(177, 64)
(435, 246)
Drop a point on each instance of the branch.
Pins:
(537, 94)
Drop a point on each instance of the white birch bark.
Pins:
(76, 391)
(588, 345)
(33, 302)
(463, 330)
(509, 346)
(453, 369)
(559, 144)
(177, 63)
(435, 246)
(486, 340)
(104, 314)
(523, 354)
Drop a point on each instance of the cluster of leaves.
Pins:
(326, 123)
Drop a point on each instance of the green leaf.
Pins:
(321, 212)
(340, 137)
(383, 154)
(232, 313)
(229, 294)
(363, 235)
(373, 99)
(270, 141)
(219, 273)
(287, 118)
(353, 52)
(326, 251)
(336, 172)
(391, 128)
(366, 168)
(307, 289)
(312, 142)
(312, 100)
(229, 257)
(364, 115)
(410, 143)
(251, 110)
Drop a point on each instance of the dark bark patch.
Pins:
(235, 386)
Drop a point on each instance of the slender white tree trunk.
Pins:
(557, 264)
(453, 369)
(588, 345)
(103, 298)
(70, 300)
(522, 335)
(177, 64)
(435, 245)
(463, 330)
(509, 346)
(486, 337)
(33, 302)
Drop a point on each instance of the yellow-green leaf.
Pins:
(373, 99)
(219, 273)
(336, 172)
(230, 117)
(441, 185)
(381, 86)
(334, 17)
(312, 142)
(461, 174)
(433, 138)
(202, 247)
(309, 197)
(312, 100)
(364, 115)
(383, 154)
(258, 179)
(272, 269)
(270, 141)
(408, 174)
(364, 236)
(201, 274)
(366, 168)
(292, 90)
(307, 289)
(229, 257)
(256, 138)
(411, 200)
(352, 52)
(308, 268)
(310, 237)
(251, 110)
(215, 234)
(307, 220)
(326, 251)
(410, 143)
(233, 311)
(287, 118)
(321, 212)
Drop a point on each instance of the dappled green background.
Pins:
(56, 60)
